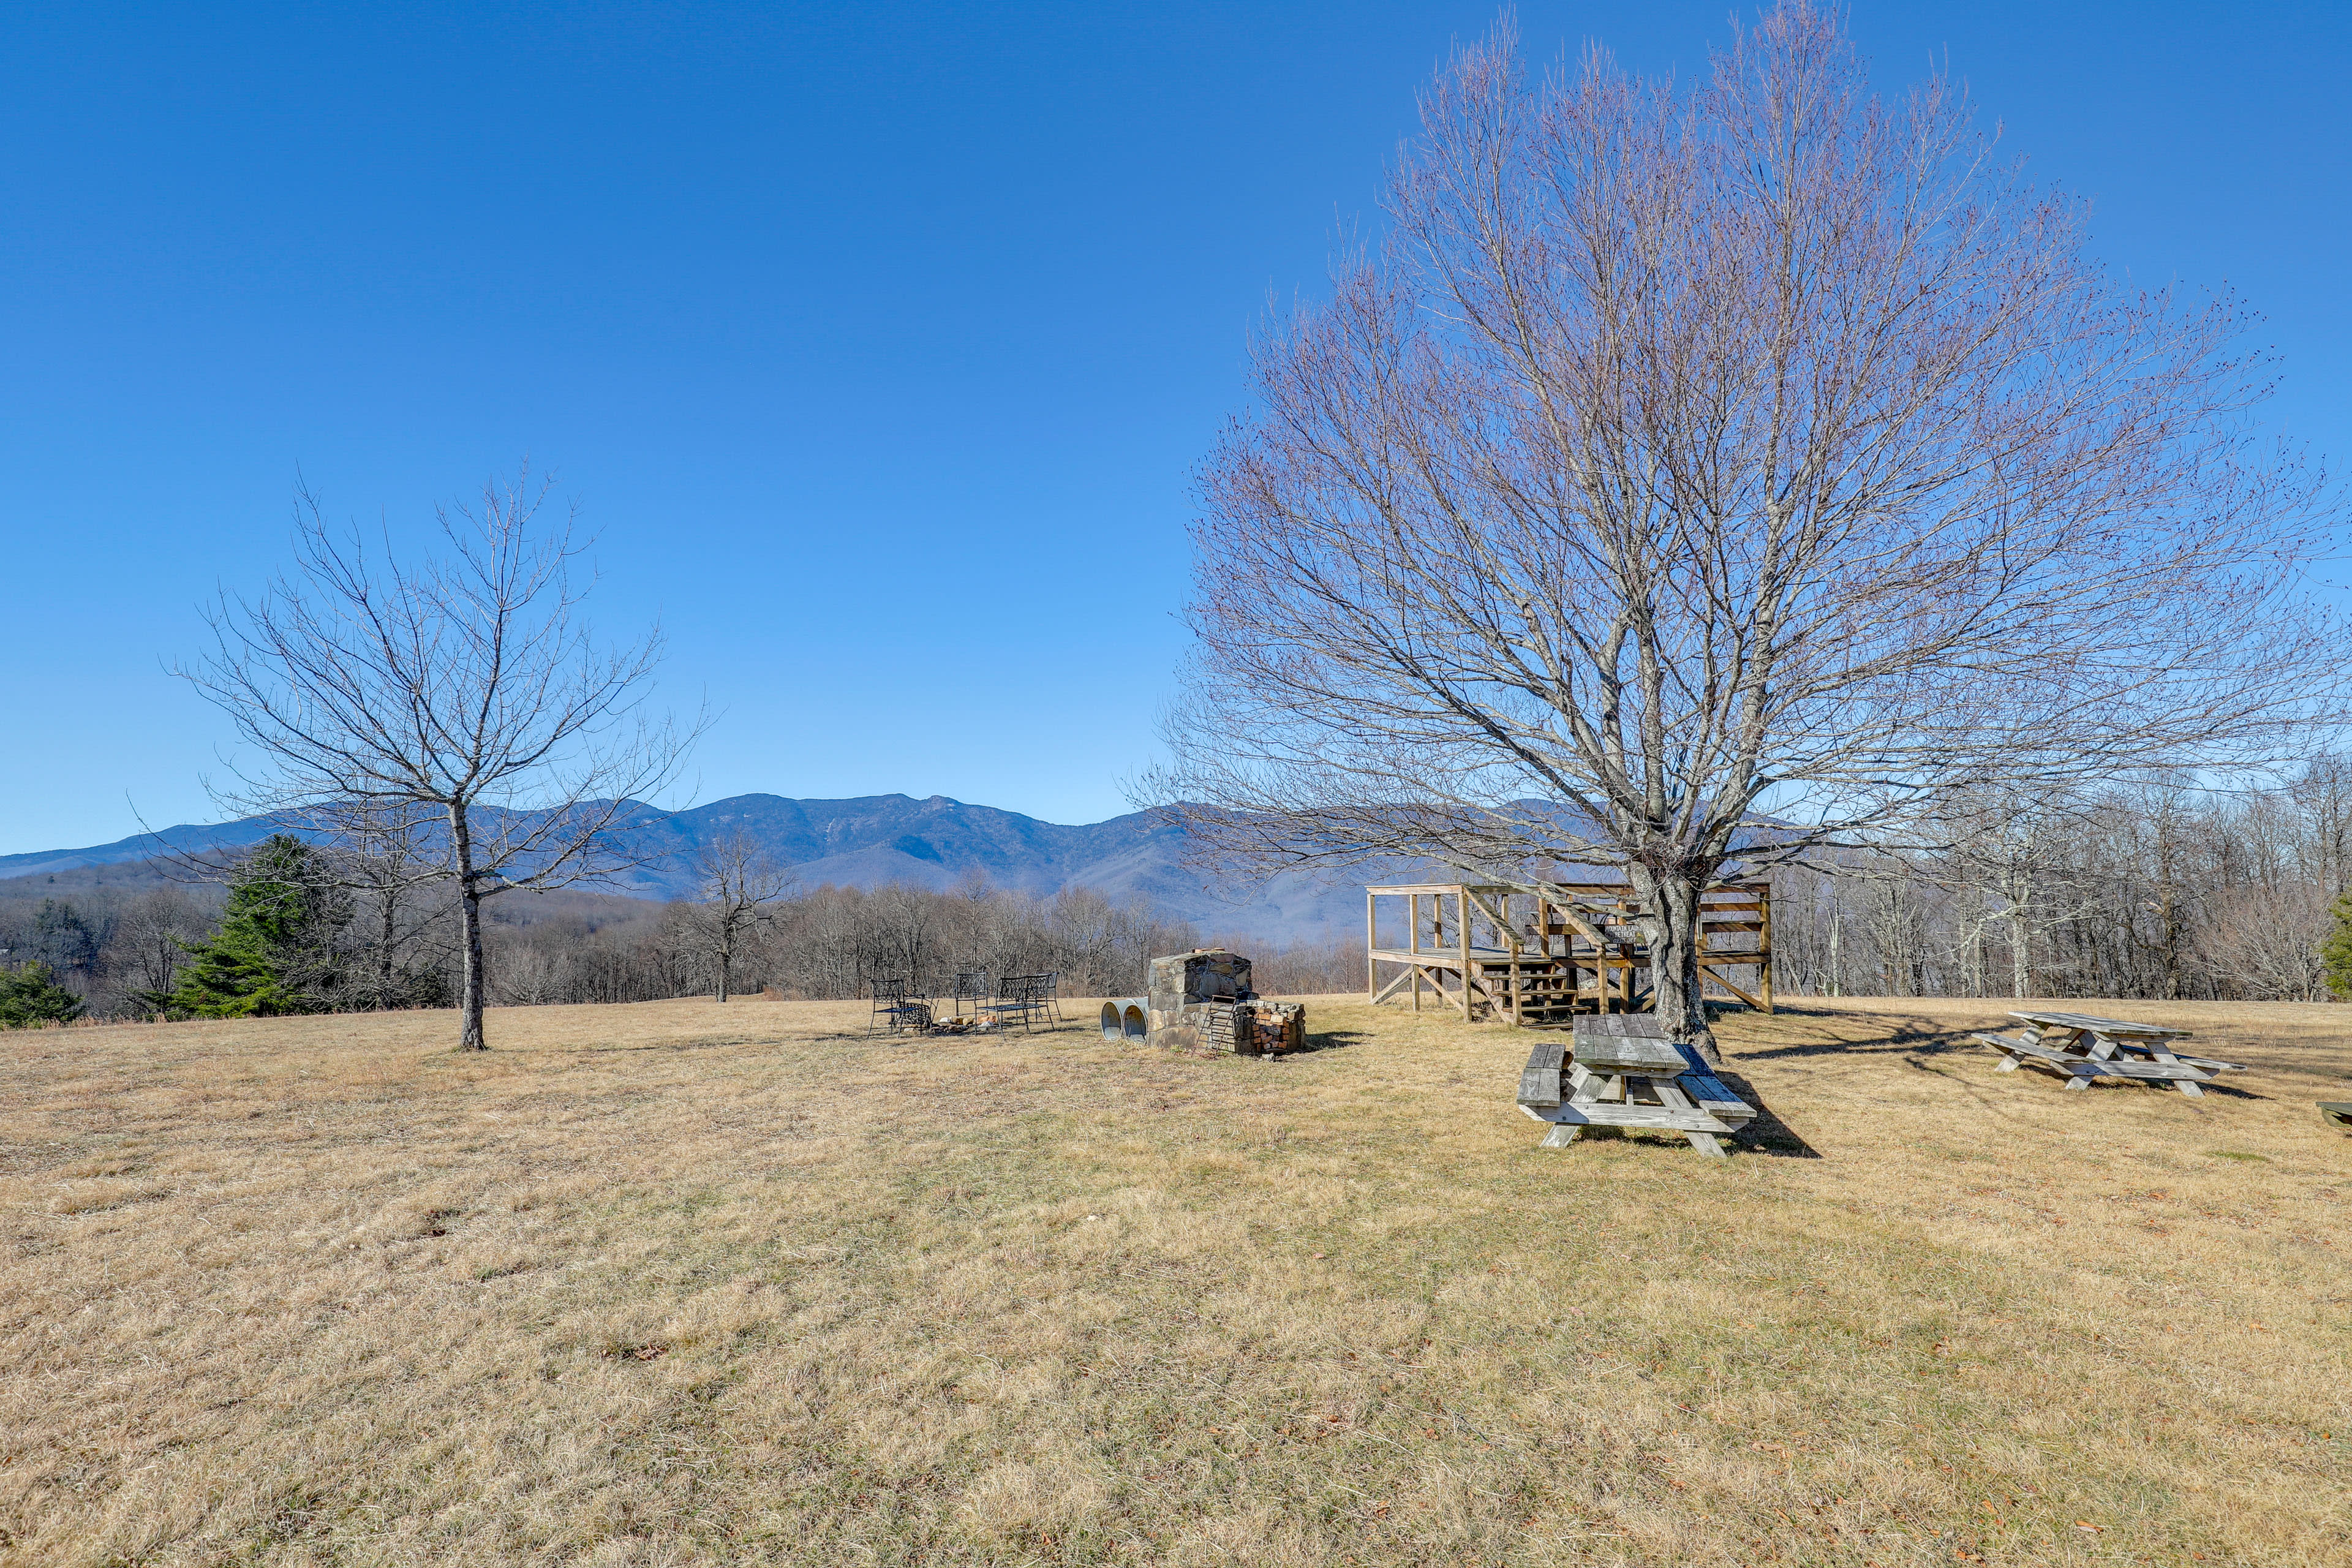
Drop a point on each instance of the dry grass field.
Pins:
(684, 1284)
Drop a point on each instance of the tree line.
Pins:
(2154, 890)
(2151, 891)
(296, 928)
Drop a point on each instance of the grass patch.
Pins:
(683, 1284)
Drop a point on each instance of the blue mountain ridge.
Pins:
(876, 840)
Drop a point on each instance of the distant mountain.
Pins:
(879, 839)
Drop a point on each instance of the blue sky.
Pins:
(878, 341)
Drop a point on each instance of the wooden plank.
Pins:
(1755, 1002)
(1623, 1026)
(1711, 1093)
(1539, 1079)
(1635, 1054)
(2088, 1067)
(1660, 1117)
(1392, 987)
(2121, 1026)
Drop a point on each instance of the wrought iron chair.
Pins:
(899, 1002)
(1025, 999)
(972, 983)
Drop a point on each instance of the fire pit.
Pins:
(1201, 1002)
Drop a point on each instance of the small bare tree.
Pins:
(1726, 472)
(740, 880)
(467, 686)
(389, 860)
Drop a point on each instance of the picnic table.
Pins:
(2083, 1047)
(1626, 1071)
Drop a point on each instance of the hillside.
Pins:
(868, 842)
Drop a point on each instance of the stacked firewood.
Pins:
(1253, 1028)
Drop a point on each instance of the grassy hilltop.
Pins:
(677, 1284)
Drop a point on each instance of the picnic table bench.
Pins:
(1619, 1058)
(2083, 1047)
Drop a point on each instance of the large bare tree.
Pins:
(468, 685)
(1727, 471)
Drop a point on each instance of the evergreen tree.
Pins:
(30, 996)
(2335, 952)
(277, 949)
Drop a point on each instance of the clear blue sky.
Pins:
(878, 340)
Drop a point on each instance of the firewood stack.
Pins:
(1201, 1002)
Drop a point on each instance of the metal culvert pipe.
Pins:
(1137, 1021)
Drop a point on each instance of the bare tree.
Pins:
(740, 880)
(1726, 471)
(468, 686)
(152, 942)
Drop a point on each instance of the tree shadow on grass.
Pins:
(1909, 1036)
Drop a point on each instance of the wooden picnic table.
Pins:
(2083, 1047)
(1619, 1058)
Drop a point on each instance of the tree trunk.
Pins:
(469, 902)
(726, 961)
(2021, 958)
(1670, 924)
(389, 908)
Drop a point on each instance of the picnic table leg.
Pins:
(1670, 1094)
(2156, 1049)
(1561, 1135)
(2072, 1042)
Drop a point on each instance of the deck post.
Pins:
(1462, 908)
(1372, 964)
(1413, 923)
(1764, 946)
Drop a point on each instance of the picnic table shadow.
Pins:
(1918, 1040)
(1766, 1134)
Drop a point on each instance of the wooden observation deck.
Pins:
(1540, 959)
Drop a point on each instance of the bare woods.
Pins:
(834, 943)
(2151, 891)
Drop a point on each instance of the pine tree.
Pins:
(277, 949)
(2335, 952)
(30, 996)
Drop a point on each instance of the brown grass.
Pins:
(679, 1284)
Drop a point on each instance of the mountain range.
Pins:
(876, 840)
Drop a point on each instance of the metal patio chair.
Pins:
(1025, 999)
(971, 984)
(900, 1004)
